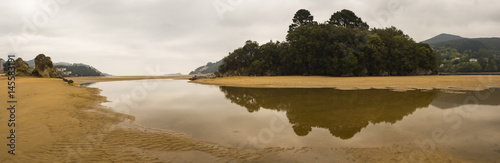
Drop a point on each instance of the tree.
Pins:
(491, 66)
(301, 18)
(374, 51)
(239, 61)
(469, 67)
(270, 57)
(348, 19)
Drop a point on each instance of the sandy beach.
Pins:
(463, 82)
(57, 122)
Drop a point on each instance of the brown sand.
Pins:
(57, 122)
(464, 82)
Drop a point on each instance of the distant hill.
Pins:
(77, 69)
(471, 44)
(173, 74)
(31, 62)
(63, 63)
(491, 43)
(442, 38)
(208, 68)
(463, 44)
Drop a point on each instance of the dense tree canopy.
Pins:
(453, 61)
(348, 19)
(301, 18)
(343, 46)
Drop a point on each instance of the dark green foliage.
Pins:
(301, 18)
(343, 47)
(348, 19)
(469, 67)
(238, 62)
(455, 61)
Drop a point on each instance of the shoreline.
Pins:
(398, 83)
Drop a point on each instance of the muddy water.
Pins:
(318, 123)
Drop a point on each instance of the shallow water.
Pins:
(463, 124)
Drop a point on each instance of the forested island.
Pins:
(342, 46)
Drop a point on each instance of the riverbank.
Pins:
(448, 82)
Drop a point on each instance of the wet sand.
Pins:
(56, 122)
(463, 82)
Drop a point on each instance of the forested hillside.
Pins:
(468, 54)
(442, 38)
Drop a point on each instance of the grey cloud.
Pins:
(181, 35)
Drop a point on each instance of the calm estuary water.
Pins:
(464, 124)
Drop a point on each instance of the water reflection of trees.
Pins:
(343, 113)
(486, 97)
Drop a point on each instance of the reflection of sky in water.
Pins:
(324, 118)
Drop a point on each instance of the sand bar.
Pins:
(460, 82)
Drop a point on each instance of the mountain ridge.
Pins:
(462, 44)
(208, 68)
(442, 38)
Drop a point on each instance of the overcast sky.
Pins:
(125, 37)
